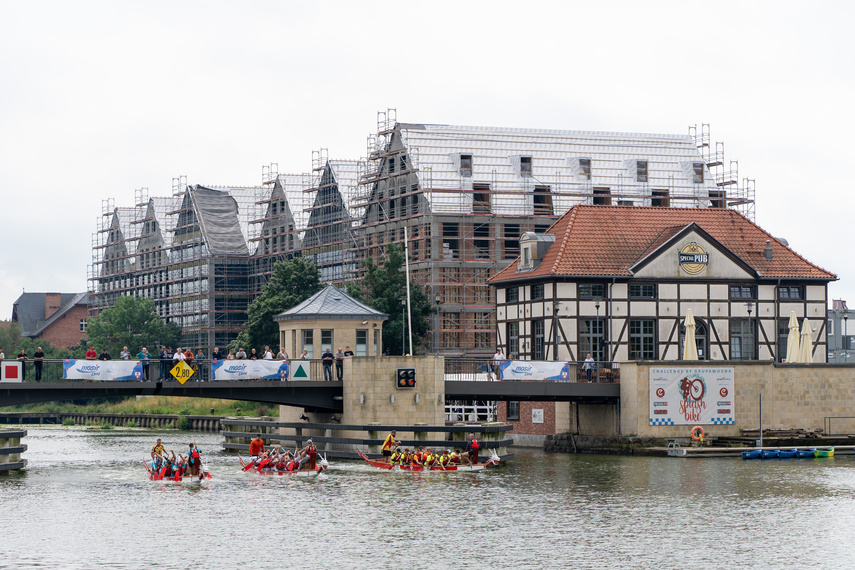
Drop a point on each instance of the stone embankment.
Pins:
(152, 421)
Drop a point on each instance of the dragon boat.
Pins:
(380, 464)
(320, 465)
(160, 474)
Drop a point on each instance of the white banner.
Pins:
(534, 370)
(119, 370)
(250, 370)
(691, 396)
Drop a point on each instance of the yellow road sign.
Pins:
(181, 371)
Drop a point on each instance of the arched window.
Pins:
(700, 339)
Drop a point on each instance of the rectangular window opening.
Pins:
(480, 198)
(542, 199)
(641, 170)
(585, 168)
(660, 198)
(602, 196)
(525, 166)
(466, 165)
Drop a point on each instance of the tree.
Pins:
(384, 287)
(291, 283)
(132, 322)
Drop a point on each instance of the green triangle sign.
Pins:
(300, 372)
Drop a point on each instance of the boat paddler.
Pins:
(388, 445)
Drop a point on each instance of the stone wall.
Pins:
(794, 396)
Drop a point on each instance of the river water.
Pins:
(85, 502)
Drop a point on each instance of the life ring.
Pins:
(695, 435)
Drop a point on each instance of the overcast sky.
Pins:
(98, 99)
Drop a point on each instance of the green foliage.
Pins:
(383, 288)
(291, 283)
(106, 425)
(184, 411)
(10, 336)
(68, 422)
(132, 322)
(184, 424)
(131, 424)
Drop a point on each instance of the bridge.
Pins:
(314, 396)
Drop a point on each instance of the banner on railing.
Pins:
(691, 396)
(250, 370)
(534, 370)
(118, 370)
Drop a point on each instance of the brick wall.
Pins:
(65, 331)
(525, 425)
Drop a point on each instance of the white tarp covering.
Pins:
(534, 370)
(691, 396)
(250, 370)
(119, 370)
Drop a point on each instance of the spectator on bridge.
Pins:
(2, 354)
(38, 361)
(253, 355)
(339, 364)
(163, 355)
(305, 355)
(231, 355)
(498, 358)
(200, 370)
(125, 355)
(327, 358)
(145, 357)
(241, 354)
(22, 357)
(267, 355)
(104, 355)
(347, 352)
(282, 355)
(91, 354)
(588, 367)
(215, 354)
(179, 355)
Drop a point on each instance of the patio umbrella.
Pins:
(793, 339)
(806, 346)
(690, 347)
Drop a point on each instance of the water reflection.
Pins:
(85, 502)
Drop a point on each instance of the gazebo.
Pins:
(331, 319)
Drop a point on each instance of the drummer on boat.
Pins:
(158, 450)
(256, 447)
(470, 453)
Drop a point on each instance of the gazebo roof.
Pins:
(330, 303)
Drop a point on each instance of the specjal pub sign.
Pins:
(693, 258)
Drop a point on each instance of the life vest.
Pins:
(443, 460)
(427, 458)
(416, 458)
(474, 444)
(396, 457)
(193, 455)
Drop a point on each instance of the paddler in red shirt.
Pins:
(256, 447)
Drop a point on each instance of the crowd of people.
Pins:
(280, 459)
(427, 457)
(171, 466)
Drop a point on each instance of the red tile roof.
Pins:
(609, 240)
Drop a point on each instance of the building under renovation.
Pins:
(458, 197)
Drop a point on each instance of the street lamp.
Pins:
(403, 327)
(437, 300)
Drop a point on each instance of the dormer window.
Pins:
(641, 170)
(585, 168)
(466, 165)
(698, 173)
(525, 166)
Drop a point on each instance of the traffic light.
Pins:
(405, 378)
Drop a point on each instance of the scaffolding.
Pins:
(730, 192)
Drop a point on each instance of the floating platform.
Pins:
(676, 450)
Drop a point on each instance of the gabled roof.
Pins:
(610, 240)
(218, 217)
(29, 311)
(330, 303)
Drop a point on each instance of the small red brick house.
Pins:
(59, 318)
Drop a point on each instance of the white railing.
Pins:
(477, 413)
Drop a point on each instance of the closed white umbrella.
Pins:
(690, 347)
(806, 345)
(793, 339)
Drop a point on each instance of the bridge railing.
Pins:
(155, 371)
(474, 369)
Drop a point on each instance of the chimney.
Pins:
(53, 302)
(767, 253)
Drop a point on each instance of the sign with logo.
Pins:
(693, 258)
(534, 370)
(182, 371)
(251, 369)
(691, 396)
(119, 370)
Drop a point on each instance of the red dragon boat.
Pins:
(321, 465)
(160, 474)
(380, 464)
